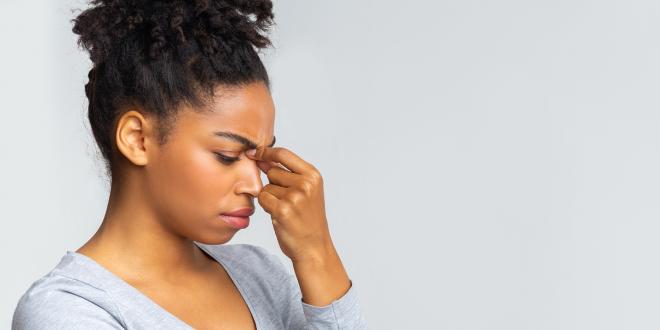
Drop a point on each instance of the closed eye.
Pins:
(225, 159)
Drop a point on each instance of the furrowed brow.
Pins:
(249, 144)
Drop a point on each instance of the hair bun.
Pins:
(161, 26)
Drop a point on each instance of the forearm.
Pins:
(322, 278)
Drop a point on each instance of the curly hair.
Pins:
(160, 54)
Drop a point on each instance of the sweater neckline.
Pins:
(125, 286)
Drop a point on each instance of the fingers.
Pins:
(275, 190)
(266, 166)
(277, 208)
(285, 157)
(267, 201)
(282, 177)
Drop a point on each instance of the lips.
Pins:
(243, 212)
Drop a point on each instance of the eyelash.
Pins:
(226, 160)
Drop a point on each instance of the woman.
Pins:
(179, 105)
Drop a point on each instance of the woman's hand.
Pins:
(294, 199)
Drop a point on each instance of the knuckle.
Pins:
(296, 197)
(306, 187)
(285, 209)
(316, 175)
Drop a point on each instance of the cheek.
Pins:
(194, 181)
(203, 176)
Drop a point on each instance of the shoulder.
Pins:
(57, 301)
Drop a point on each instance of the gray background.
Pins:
(488, 164)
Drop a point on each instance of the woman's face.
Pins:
(189, 182)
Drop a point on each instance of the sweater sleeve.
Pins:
(343, 313)
(55, 309)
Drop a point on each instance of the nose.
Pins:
(250, 180)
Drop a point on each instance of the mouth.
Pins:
(242, 212)
(238, 219)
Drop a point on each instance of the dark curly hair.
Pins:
(160, 54)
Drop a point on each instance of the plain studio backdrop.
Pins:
(487, 164)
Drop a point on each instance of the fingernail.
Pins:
(251, 152)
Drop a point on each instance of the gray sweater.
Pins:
(79, 293)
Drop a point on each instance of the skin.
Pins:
(169, 196)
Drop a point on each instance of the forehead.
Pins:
(246, 110)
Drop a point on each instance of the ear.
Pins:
(134, 135)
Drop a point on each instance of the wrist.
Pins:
(317, 257)
(321, 276)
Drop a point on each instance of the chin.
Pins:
(215, 238)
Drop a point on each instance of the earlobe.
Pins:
(133, 129)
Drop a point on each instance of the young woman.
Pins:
(179, 105)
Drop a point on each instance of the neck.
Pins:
(133, 240)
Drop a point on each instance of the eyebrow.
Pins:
(249, 144)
